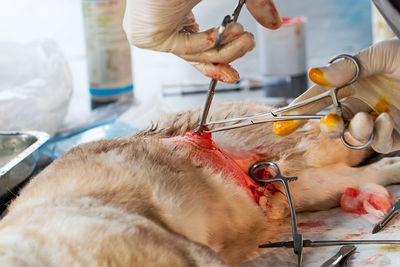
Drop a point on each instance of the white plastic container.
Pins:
(108, 51)
(283, 59)
(283, 51)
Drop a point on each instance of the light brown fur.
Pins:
(131, 201)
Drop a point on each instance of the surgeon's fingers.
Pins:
(332, 125)
(361, 126)
(228, 53)
(284, 128)
(196, 42)
(335, 74)
(265, 12)
(221, 72)
(380, 58)
(373, 60)
(384, 126)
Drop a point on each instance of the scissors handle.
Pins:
(360, 147)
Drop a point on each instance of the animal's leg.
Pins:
(321, 188)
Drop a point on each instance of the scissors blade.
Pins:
(380, 225)
(237, 10)
(256, 119)
(275, 115)
(265, 117)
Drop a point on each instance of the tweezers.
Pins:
(380, 225)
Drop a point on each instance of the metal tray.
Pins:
(18, 157)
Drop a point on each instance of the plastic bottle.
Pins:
(107, 51)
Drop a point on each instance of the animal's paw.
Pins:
(389, 170)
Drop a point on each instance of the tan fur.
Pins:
(131, 201)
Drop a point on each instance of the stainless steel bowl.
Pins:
(18, 157)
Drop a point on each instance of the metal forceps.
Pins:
(297, 238)
(213, 83)
(278, 114)
(380, 225)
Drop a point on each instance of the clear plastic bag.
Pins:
(35, 86)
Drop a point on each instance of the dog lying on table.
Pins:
(168, 197)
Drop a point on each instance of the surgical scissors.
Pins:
(217, 45)
(381, 224)
(279, 114)
(254, 170)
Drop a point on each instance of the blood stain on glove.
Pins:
(368, 199)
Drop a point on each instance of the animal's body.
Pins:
(156, 198)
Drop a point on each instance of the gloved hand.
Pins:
(373, 102)
(170, 26)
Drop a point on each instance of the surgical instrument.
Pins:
(279, 114)
(254, 170)
(328, 243)
(271, 169)
(341, 256)
(213, 83)
(380, 225)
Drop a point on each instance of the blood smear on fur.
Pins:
(368, 199)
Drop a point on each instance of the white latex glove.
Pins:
(170, 26)
(373, 102)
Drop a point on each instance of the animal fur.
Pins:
(132, 201)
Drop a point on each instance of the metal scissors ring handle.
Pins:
(367, 144)
(336, 103)
(356, 64)
(265, 164)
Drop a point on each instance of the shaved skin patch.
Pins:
(317, 75)
(284, 128)
(205, 152)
